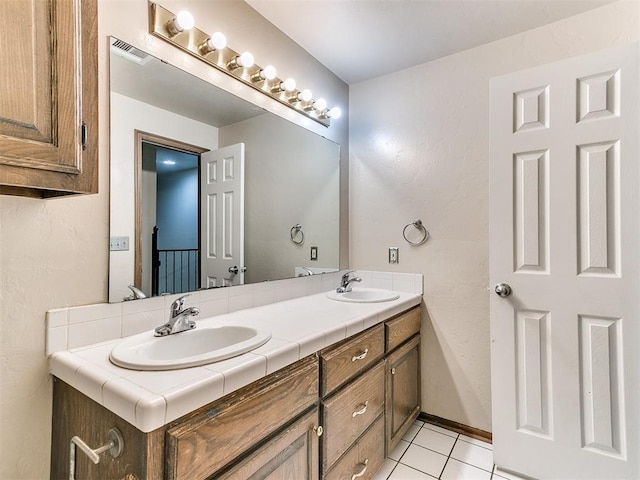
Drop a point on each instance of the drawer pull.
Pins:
(360, 356)
(393, 371)
(319, 430)
(361, 410)
(362, 470)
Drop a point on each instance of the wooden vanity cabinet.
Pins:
(370, 396)
(353, 373)
(332, 416)
(49, 102)
(402, 375)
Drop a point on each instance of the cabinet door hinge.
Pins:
(84, 135)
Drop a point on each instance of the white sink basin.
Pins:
(186, 349)
(364, 295)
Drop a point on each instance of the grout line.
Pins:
(448, 456)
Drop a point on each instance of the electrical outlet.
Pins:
(117, 244)
(393, 255)
(314, 253)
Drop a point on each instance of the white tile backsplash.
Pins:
(94, 331)
(74, 327)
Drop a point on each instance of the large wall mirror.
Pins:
(208, 190)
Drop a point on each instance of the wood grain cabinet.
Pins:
(48, 103)
(329, 416)
(402, 375)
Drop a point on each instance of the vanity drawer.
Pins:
(364, 459)
(346, 360)
(348, 413)
(402, 328)
(201, 444)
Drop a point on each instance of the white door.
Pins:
(564, 222)
(222, 211)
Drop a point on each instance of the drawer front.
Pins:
(350, 412)
(364, 459)
(346, 360)
(204, 443)
(402, 328)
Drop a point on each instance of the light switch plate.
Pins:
(393, 255)
(117, 244)
(314, 253)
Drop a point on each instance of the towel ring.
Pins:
(295, 238)
(418, 224)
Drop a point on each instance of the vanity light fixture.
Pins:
(213, 50)
(181, 22)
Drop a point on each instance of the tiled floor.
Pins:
(428, 451)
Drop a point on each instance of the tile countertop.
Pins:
(149, 400)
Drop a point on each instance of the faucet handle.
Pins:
(345, 276)
(179, 303)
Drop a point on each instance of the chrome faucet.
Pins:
(136, 294)
(179, 320)
(308, 270)
(345, 285)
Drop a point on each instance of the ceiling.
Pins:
(157, 83)
(363, 39)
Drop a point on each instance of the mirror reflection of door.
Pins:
(167, 248)
(170, 220)
(222, 213)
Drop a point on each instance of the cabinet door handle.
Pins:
(319, 430)
(361, 410)
(362, 470)
(360, 356)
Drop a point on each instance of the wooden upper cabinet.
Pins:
(48, 102)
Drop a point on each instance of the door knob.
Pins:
(503, 290)
(235, 269)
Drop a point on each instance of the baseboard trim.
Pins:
(456, 427)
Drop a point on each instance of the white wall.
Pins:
(421, 150)
(291, 177)
(128, 115)
(54, 253)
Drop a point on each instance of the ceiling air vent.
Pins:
(129, 52)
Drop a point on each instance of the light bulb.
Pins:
(246, 60)
(320, 105)
(183, 21)
(305, 95)
(217, 41)
(335, 112)
(268, 72)
(289, 85)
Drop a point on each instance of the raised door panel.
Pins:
(291, 455)
(403, 390)
(48, 56)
